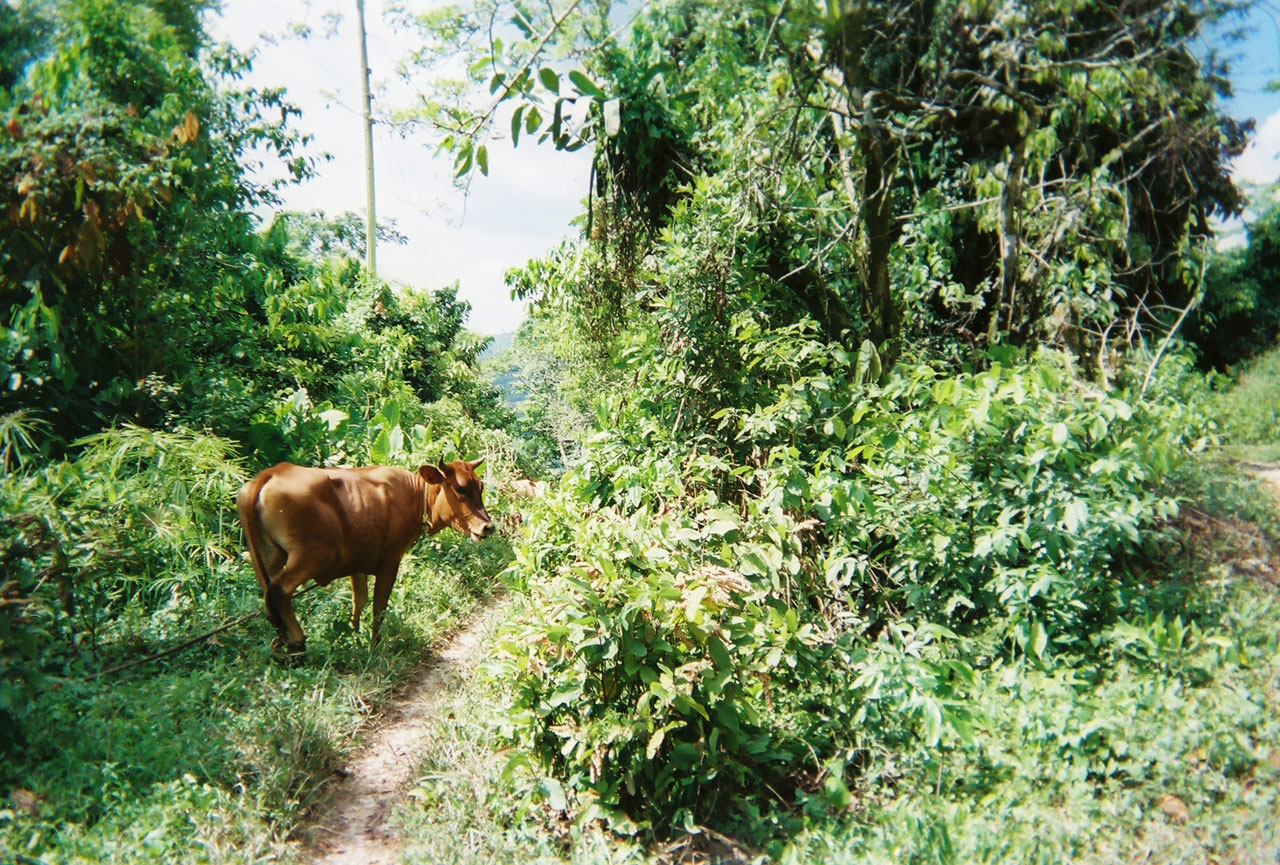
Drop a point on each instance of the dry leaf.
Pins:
(25, 800)
(188, 130)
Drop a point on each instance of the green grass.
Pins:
(1077, 763)
(216, 754)
(1250, 411)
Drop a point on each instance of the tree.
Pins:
(130, 211)
(1240, 316)
(960, 172)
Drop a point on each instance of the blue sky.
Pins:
(524, 207)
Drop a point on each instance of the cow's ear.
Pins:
(475, 465)
(431, 474)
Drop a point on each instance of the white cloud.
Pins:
(519, 211)
(1260, 162)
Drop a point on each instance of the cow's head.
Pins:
(459, 503)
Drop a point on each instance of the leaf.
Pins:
(462, 164)
(188, 130)
(381, 447)
(655, 742)
(334, 417)
(515, 125)
(585, 84)
(1039, 639)
(1075, 515)
(557, 118)
(612, 117)
(1058, 433)
(550, 80)
(1174, 808)
(482, 159)
(719, 653)
(555, 794)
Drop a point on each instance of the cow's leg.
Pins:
(280, 595)
(359, 595)
(273, 616)
(382, 583)
(274, 560)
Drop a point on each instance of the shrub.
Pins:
(786, 590)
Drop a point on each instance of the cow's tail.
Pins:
(247, 505)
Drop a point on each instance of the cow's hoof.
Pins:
(297, 650)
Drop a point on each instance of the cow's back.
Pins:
(344, 521)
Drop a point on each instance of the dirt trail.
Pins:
(1268, 473)
(351, 828)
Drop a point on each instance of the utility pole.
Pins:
(371, 232)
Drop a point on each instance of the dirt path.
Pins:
(351, 828)
(1268, 473)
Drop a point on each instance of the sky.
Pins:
(1255, 63)
(525, 206)
(520, 211)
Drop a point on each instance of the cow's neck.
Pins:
(429, 497)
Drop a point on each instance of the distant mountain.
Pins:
(505, 380)
(501, 342)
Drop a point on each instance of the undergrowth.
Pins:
(887, 626)
(1157, 744)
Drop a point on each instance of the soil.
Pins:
(352, 827)
(1268, 473)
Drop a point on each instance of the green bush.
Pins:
(1007, 499)
(704, 622)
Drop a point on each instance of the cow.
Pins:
(321, 524)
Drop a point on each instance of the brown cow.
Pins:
(322, 524)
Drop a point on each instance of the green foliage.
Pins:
(127, 185)
(1240, 316)
(136, 528)
(776, 591)
(905, 172)
(1009, 498)
(1085, 763)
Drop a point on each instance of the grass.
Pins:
(217, 753)
(1146, 759)
(1250, 410)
